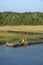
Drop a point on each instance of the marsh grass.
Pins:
(10, 37)
(37, 28)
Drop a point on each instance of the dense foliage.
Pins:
(27, 18)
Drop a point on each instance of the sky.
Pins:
(21, 5)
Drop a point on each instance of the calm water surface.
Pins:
(31, 55)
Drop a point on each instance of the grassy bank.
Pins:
(11, 36)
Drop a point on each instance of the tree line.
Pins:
(26, 18)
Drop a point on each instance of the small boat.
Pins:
(13, 44)
(9, 44)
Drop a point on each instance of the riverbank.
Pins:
(12, 36)
(28, 43)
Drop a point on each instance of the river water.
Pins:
(30, 55)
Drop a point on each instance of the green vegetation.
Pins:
(27, 18)
(10, 37)
(13, 21)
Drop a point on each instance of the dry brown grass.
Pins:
(38, 28)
